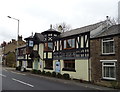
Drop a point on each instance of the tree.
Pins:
(62, 27)
(11, 59)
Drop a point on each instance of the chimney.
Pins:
(50, 26)
(119, 12)
(13, 40)
(60, 29)
(20, 38)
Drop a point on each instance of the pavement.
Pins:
(87, 85)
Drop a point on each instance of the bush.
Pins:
(18, 68)
(66, 76)
(53, 74)
(38, 72)
(59, 75)
(43, 72)
(34, 71)
(48, 73)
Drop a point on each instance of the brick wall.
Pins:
(96, 56)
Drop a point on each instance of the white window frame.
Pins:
(114, 65)
(113, 47)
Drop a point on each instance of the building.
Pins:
(67, 52)
(24, 60)
(10, 48)
(105, 56)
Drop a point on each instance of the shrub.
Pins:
(18, 68)
(43, 72)
(38, 72)
(59, 75)
(48, 73)
(66, 76)
(34, 71)
(53, 74)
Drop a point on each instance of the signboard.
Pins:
(30, 43)
(57, 67)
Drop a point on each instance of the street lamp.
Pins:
(17, 35)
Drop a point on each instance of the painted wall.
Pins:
(81, 67)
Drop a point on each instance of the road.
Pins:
(13, 80)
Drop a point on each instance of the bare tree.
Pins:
(62, 27)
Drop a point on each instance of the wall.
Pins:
(96, 56)
(81, 67)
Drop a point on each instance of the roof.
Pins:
(50, 31)
(38, 37)
(82, 29)
(113, 30)
(23, 46)
(30, 37)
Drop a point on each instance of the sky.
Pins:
(37, 15)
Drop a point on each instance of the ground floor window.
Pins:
(48, 64)
(69, 65)
(109, 70)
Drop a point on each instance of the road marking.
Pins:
(2, 75)
(18, 73)
(4, 69)
(22, 82)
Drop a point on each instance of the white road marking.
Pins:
(22, 82)
(4, 69)
(17, 73)
(2, 75)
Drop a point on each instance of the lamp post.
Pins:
(17, 35)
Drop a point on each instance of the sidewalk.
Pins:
(87, 85)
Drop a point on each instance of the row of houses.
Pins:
(90, 53)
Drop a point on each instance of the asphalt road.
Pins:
(13, 80)
(19, 81)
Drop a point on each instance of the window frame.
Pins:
(113, 66)
(69, 62)
(71, 43)
(107, 40)
(46, 46)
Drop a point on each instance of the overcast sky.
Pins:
(37, 15)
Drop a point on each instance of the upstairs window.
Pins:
(48, 46)
(69, 43)
(108, 46)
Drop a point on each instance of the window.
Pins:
(108, 70)
(69, 65)
(48, 46)
(108, 46)
(70, 43)
(48, 64)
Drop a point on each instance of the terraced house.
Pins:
(105, 56)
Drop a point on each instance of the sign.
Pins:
(57, 67)
(31, 43)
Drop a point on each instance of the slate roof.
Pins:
(30, 37)
(50, 31)
(38, 37)
(113, 30)
(82, 29)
